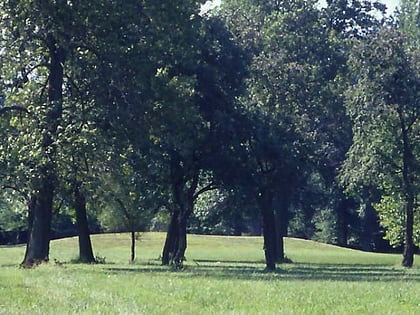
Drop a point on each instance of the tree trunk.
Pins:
(342, 222)
(37, 249)
(85, 244)
(370, 227)
(409, 249)
(407, 173)
(182, 239)
(39, 233)
(184, 197)
(133, 246)
(282, 223)
(184, 182)
(408, 254)
(265, 201)
(185, 200)
(171, 242)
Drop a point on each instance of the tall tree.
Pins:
(217, 72)
(289, 92)
(42, 41)
(383, 105)
(349, 20)
(35, 38)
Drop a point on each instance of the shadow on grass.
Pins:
(200, 261)
(297, 271)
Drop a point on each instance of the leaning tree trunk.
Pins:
(40, 211)
(85, 244)
(171, 242)
(265, 201)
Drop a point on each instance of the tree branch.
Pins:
(20, 192)
(124, 209)
(211, 186)
(3, 110)
(57, 210)
(411, 123)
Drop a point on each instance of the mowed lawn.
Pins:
(223, 275)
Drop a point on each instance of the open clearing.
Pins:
(223, 275)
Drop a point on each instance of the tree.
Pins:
(408, 22)
(349, 21)
(383, 105)
(77, 155)
(290, 92)
(45, 44)
(130, 193)
(206, 84)
(35, 40)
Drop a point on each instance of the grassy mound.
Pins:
(223, 275)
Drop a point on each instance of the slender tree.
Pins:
(383, 105)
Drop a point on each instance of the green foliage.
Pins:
(325, 222)
(354, 18)
(391, 210)
(383, 106)
(127, 199)
(12, 216)
(223, 212)
(409, 22)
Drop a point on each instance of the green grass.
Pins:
(223, 275)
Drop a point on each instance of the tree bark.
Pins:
(133, 246)
(182, 239)
(265, 200)
(85, 244)
(171, 242)
(282, 223)
(370, 227)
(184, 182)
(40, 211)
(408, 163)
(343, 222)
(39, 233)
(408, 254)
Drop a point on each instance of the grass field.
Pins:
(223, 275)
